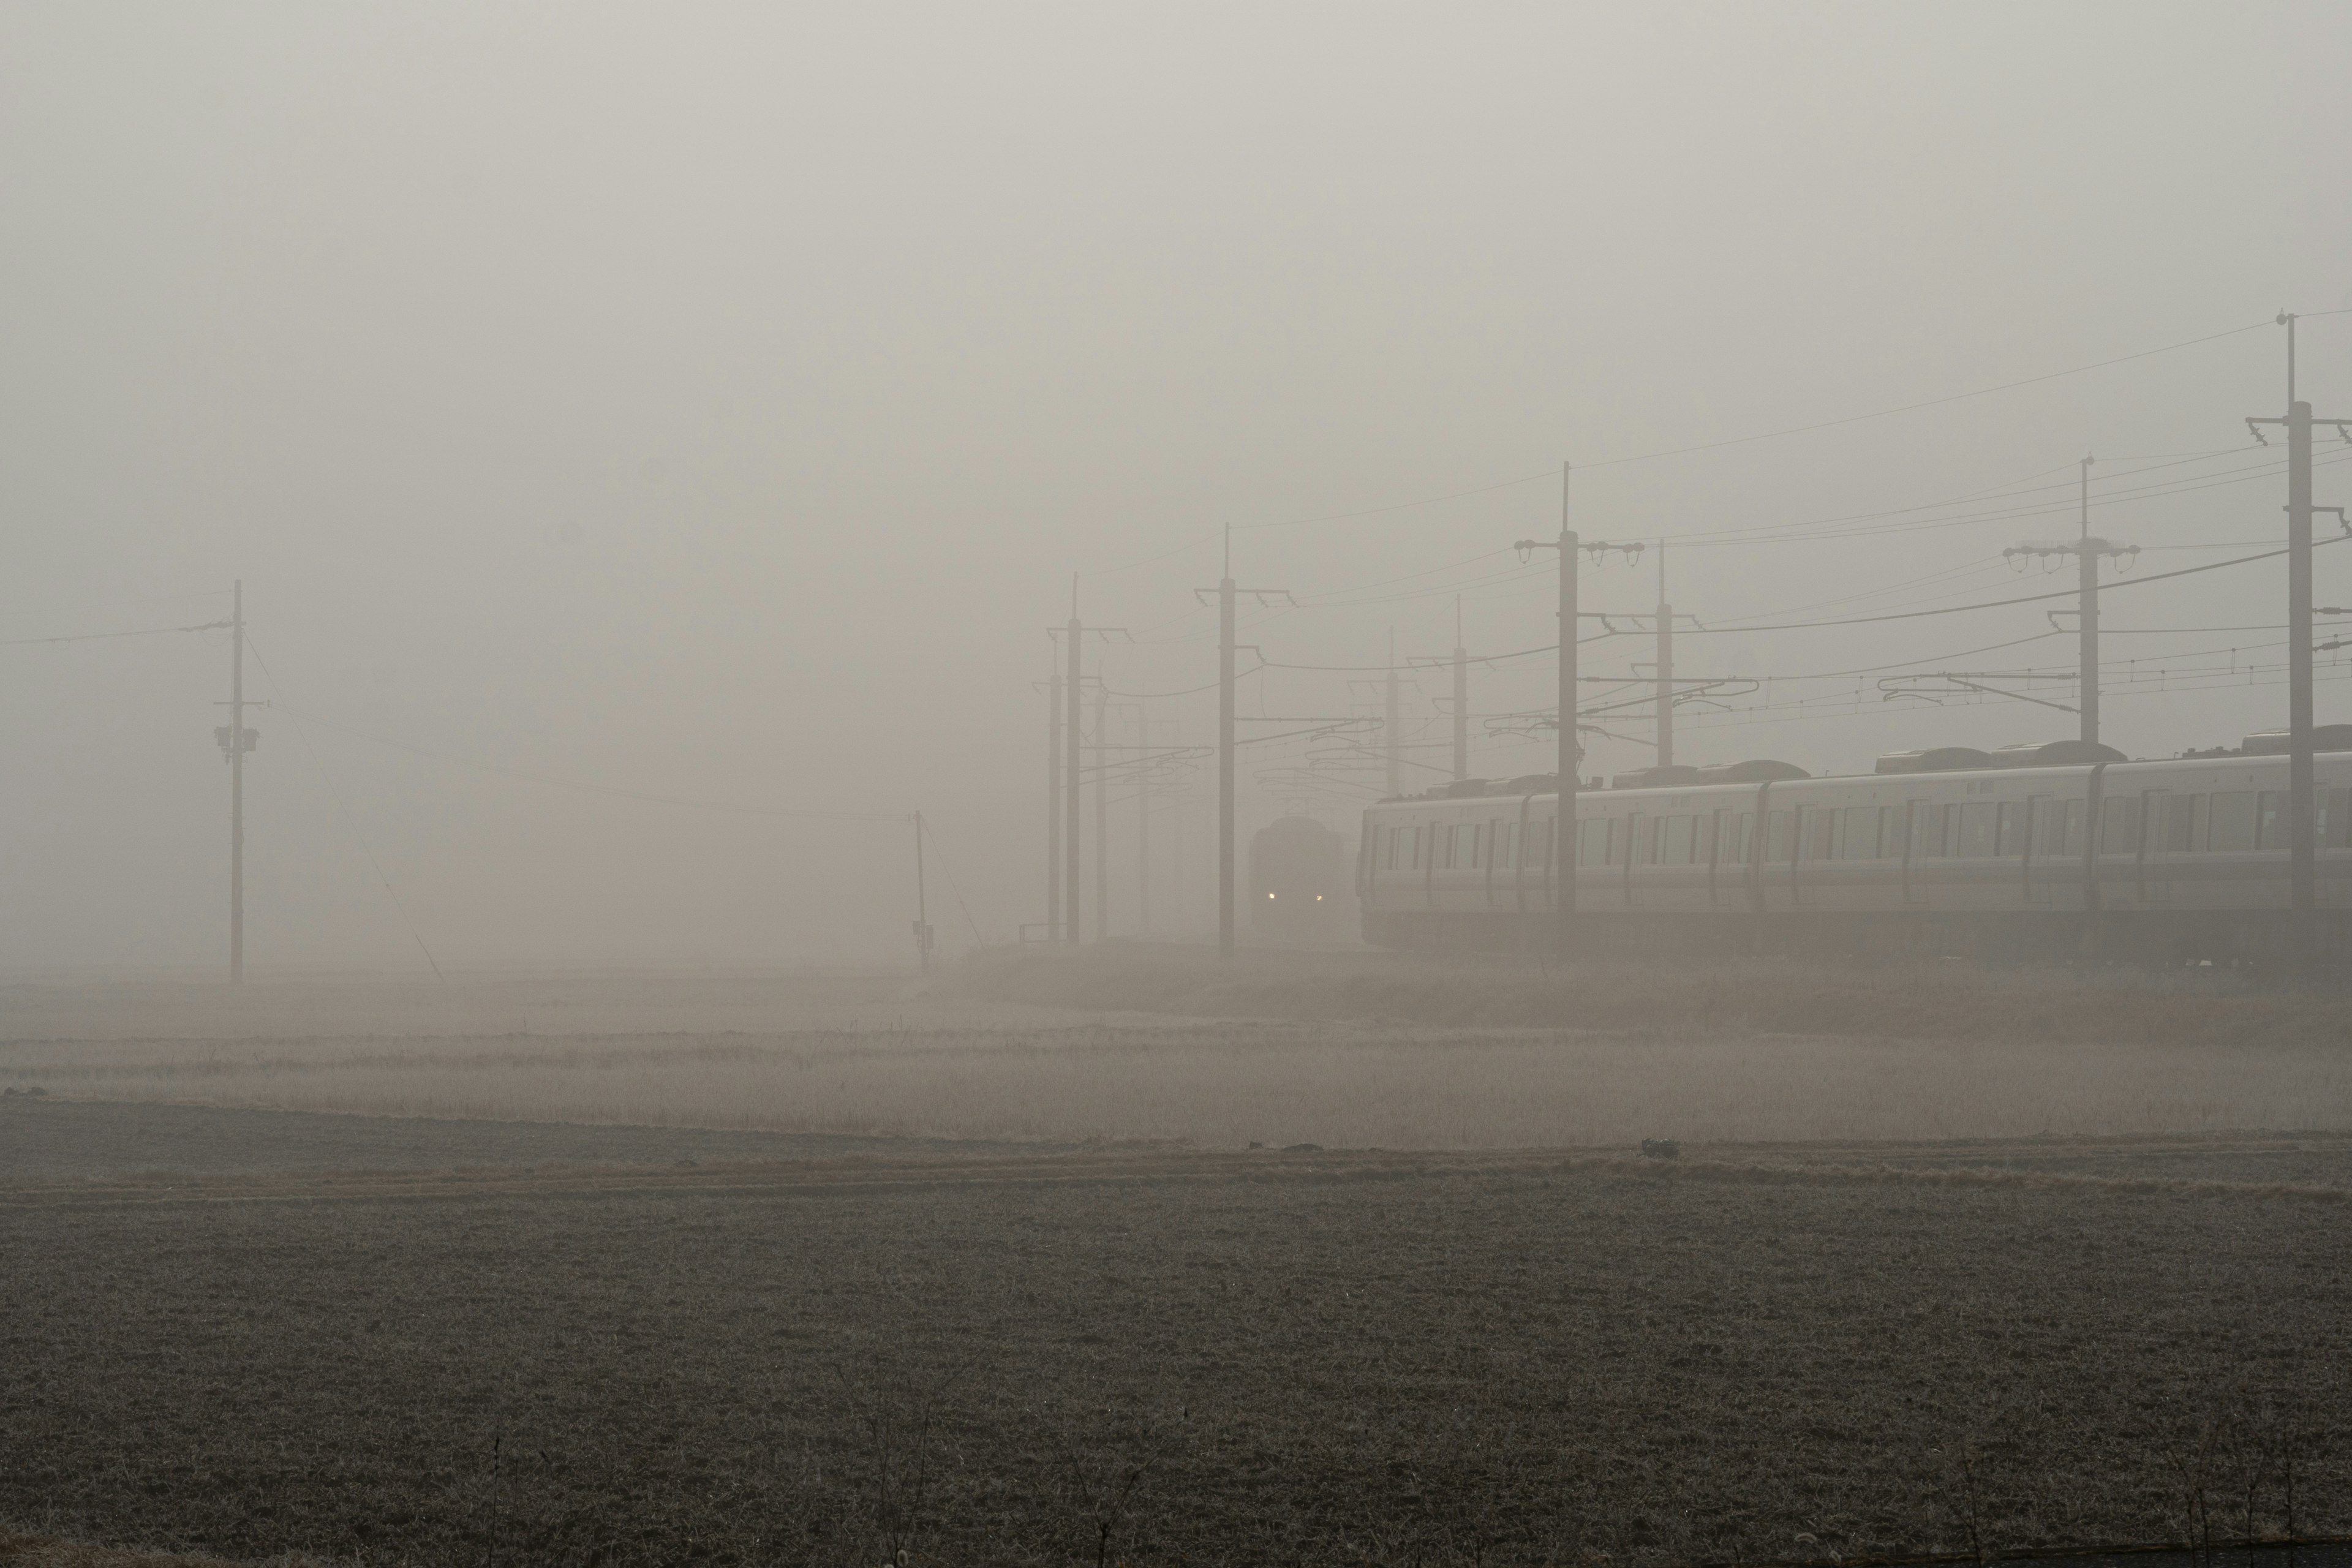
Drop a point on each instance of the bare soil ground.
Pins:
(249, 1333)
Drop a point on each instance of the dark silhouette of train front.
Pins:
(1301, 879)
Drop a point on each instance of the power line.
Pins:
(107, 637)
(2001, 604)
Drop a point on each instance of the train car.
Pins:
(1298, 878)
(2040, 849)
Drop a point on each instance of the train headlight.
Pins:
(1319, 897)
(1269, 895)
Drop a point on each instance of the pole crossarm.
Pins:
(2098, 549)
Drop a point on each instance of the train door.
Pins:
(1719, 847)
(2119, 850)
(2155, 873)
(1808, 827)
(1519, 858)
(2013, 842)
(1922, 829)
(2041, 852)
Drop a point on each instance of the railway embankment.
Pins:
(1911, 1000)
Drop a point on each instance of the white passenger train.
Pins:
(1952, 850)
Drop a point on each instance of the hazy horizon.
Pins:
(713, 408)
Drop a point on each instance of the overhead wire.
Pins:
(109, 636)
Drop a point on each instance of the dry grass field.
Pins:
(1168, 1356)
(764, 1272)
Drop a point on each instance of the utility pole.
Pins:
(1225, 750)
(1054, 798)
(2087, 590)
(1226, 592)
(2301, 803)
(1665, 666)
(1563, 835)
(235, 739)
(1102, 812)
(1389, 724)
(2087, 552)
(1143, 822)
(923, 933)
(1461, 698)
(1077, 634)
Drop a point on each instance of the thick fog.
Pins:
(620, 416)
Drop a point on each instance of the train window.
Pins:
(1979, 830)
(1645, 831)
(1710, 836)
(2076, 812)
(1396, 837)
(1743, 838)
(1938, 826)
(2009, 833)
(1678, 836)
(1463, 853)
(2270, 820)
(1860, 838)
(1775, 837)
(2229, 820)
(2119, 826)
(2190, 829)
(2335, 818)
(1412, 836)
(2180, 814)
(2049, 827)
(1509, 839)
(1821, 837)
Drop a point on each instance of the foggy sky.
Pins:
(715, 402)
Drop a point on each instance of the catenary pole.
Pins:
(1563, 833)
(1225, 750)
(922, 905)
(1227, 592)
(1102, 811)
(2088, 551)
(2086, 579)
(1389, 742)
(1563, 836)
(2302, 836)
(1665, 666)
(1461, 698)
(2303, 843)
(1143, 823)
